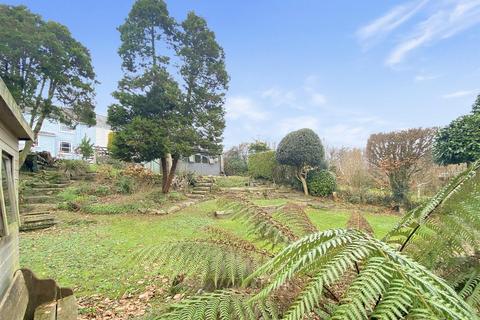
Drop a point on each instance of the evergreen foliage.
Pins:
(48, 72)
(262, 165)
(459, 142)
(303, 150)
(162, 114)
(85, 148)
(321, 182)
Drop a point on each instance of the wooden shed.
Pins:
(22, 295)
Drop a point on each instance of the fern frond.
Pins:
(418, 216)
(258, 220)
(218, 263)
(222, 305)
(388, 284)
(294, 216)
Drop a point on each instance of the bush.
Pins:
(74, 168)
(366, 196)
(262, 165)
(125, 185)
(321, 182)
(235, 166)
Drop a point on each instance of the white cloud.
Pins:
(393, 19)
(243, 107)
(425, 77)
(318, 99)
(435, 21)
(460, 94)
(279, 97)
(444, 23)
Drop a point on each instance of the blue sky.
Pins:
(343, 68)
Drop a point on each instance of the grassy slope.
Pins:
(93, 253)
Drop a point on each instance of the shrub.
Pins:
(85, 148)
(74, 168)
(262, 165)
(321, 182)
(303, 150)
(235, 166)
(366, 196)
(125, 185)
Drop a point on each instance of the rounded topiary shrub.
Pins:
(321, 182)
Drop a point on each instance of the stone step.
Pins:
(199, 191)
(26, 208)
(43, 191)
(201, 188)
(196, 196)
(39, 199)
(30, 226)
(35, 213)
(48, 185)
(46, 217)
(203, 184)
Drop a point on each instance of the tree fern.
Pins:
(388, 286)
(222, 305)
(257, 219)
(219, 263)
(294, 216)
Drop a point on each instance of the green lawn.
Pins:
(94, 253)
(325, 219)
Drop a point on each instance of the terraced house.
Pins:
(62, 140)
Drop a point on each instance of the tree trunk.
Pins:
(171, 175)
(302, 177)
(29, 143)
(164, 173)
(304, 184)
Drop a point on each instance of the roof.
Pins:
(11, 116)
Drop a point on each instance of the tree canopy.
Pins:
(303, 150)
(459, 142)
(397, 155)
(167, 109)
(48, 72)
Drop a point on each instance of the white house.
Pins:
(62, 141)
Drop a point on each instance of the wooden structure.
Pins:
(22, 295)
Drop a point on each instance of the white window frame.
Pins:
(66, 129)
(60, 147)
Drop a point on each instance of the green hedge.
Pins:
(262, 165)
(321, 182)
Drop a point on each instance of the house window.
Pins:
(7, 194)
(65, 128)
(65, 147)
(198, 158)
(205, 159)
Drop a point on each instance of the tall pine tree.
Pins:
(157, 117)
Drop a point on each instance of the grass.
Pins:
(94, 253)
(231, 181)
(326, 219)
